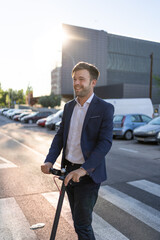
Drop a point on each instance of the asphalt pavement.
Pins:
(128, 205)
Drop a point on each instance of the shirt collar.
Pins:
(88, 100)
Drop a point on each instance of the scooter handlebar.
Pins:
(55, 171)
(61, 173)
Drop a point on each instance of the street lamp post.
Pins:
(150, 85)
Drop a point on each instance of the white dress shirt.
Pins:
(73, 148)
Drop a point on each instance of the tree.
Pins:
(2, 97)
(16, 96)
(20, 97)
(50, 101)
(10, 97)
(8, 100)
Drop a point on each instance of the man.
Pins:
(85, 135)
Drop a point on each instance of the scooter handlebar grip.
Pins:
(55, 171)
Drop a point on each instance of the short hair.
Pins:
(93, 70)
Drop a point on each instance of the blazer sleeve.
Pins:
(104, 141)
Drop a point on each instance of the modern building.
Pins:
(56, 81)
(124, 63)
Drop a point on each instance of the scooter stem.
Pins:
(58, 211)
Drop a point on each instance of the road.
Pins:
(128, 205)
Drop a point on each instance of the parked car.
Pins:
(158, 137)
(3, 110)
(8, 112)
(41, 122)
(123, 125)
(32, 118)
(149, 132)
(16, 116)
(18, 112)
(23, 115)
(57, 126)
(51, 120)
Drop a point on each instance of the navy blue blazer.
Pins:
(96, 137)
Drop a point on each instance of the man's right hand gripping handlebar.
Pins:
(45, 168)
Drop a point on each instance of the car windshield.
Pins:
(118, 118)
(57, 113)
(33, 114)
(155, 121)
(25, 113)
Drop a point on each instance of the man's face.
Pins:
(82, 84)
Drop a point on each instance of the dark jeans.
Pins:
(82, 198)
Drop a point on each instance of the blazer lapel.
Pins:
(68, 118)
(89, 112)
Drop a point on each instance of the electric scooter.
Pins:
(62, 174)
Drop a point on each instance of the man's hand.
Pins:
(75, 175)
(45, 167)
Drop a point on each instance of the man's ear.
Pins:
(94, 82)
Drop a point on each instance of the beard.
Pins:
(83, 91)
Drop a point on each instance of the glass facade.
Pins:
(121, 60)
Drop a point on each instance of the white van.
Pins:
(132, 105)
(53, 119)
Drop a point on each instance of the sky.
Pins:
(30, 33)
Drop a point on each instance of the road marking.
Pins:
(52, 198)
(105, 231)
(141, 211)
(6, 164)
(101, 228)
(147, 186)
(128, 150)
(29, 148)
(14, 224)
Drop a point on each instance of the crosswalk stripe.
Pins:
(6, 164)
(13, 223)
(105, 231)
(102, 229)
(141, 211)
(147, 186)
(52, 198)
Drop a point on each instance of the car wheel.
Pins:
(30, 121)
(128, 135)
